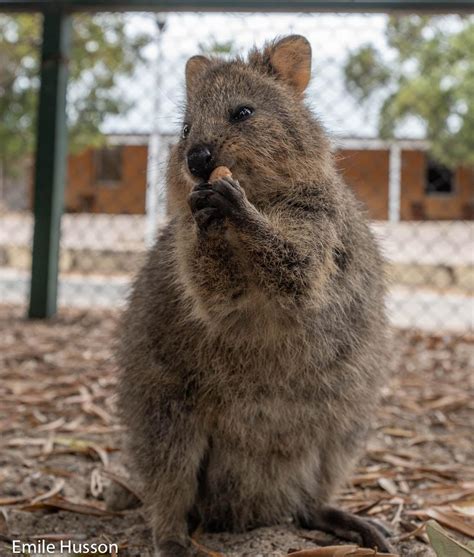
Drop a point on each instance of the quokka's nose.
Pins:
(200, 161)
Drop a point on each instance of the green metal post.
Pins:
(50, 164)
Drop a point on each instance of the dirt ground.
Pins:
(59, 435)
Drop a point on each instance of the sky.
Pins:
(332, 37)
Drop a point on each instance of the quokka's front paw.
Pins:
(212, 203)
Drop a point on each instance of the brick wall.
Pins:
(415, 204)
(86, 193)
(367, 174)
(366, 171)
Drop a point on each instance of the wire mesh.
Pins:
(125, 102)
(20, 42)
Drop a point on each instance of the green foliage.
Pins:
(225, 48)
(19, 48)
(365, 72)
(427, 72)
(102, 53)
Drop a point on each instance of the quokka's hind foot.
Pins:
(347, 526)
(118, 498)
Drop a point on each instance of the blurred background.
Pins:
(396, 94)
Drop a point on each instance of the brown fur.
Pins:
(252, 349)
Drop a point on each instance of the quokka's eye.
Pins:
(185, 131)
(241, 113)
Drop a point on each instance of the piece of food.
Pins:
(220, 172)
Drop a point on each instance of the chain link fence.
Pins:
(125, 102)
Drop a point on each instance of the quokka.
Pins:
(252, 349)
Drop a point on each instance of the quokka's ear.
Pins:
(288, 58)
(195, 68)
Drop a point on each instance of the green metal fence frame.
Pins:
(239, 5)
(50, 164)
(51, 149)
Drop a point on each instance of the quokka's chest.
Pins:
(276, 425)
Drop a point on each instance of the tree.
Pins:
(426, 72)
(226, 48)
(103, 52)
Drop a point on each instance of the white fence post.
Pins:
(394, 182)
(157, 149)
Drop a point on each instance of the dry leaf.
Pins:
(444, 544)
(5, 501)
(398, 432)
(453, 521)
(71, 506)
(465, 507)
(413, 532)
(340, 551)
(388, 485)
(57, 487)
